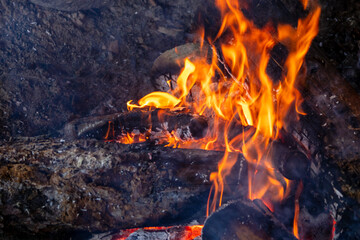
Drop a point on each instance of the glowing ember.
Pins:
(333, 229)
(234, 89)
(188, 233)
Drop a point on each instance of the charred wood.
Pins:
(186, 125)
(244, 219)
(292, 163)
(336, 103)
(54, 186)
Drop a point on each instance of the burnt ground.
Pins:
(339, 37)
(57, 65)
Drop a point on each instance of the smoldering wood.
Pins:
(53, 186)
(244, 219)
(160, 233)
(185, 124)
(177, 232)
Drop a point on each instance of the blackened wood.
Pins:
(244, 219)
(338, 104)
(292, 163)
(185, 124)
(318, 227)
(53, 186)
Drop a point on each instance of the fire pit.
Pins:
(243, 132)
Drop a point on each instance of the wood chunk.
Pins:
(244, 219)
(186, 125)
(292, 163)
(53, 186)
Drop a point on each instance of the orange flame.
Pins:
(132, 137)
(234, 89)
(297, 210)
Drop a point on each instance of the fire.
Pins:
(297, 210)
(190, 232)
(234, 91)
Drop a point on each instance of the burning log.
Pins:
(244, 219)
(330, 102)
(54, 186)
(160, 233)
(185, 125)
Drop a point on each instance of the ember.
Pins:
(183, 233)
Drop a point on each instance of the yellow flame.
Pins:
(235, 90)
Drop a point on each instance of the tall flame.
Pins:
(234, 89)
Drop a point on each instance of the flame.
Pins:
(132, 137)
(297, 210)
(234, 89)
(333, 229)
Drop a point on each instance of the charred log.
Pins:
(244, 219)
(54, 186)
(186, 125)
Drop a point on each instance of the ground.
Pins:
(56, 66)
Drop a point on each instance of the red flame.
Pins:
(297, 210)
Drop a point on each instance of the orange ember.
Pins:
(189, 233)
(234, 89)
